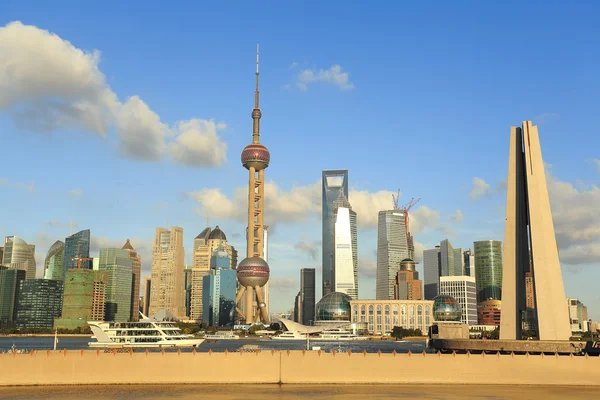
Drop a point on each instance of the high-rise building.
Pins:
(345, 247)
(488, 258)
(464, 290)
(219, 290)
(431, 272)
(147, 296)
(407, 285)
(488, 312)
(529, 228)
(1, 253)
(335, 185)
(19, 255)
(469, 263)
(167, 292)
(205, 244)
(529, 293)
(447, 258)
(298, 308)
(392, 248)
(119, 267)
(77, 246)
(10, 281)
(136, 269)
(307, 296)
(459, 262)
(83, 299)
(187, 285)
(253, 272)
(53, 264)
(39, 303)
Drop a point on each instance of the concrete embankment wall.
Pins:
(92, 367)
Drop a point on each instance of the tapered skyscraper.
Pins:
(253, 271)
(529, 227)
(335, 184)
(167, 292)
(392, 248)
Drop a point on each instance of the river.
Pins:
(297, 392)
(77, 343)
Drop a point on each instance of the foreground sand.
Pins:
(318, 392)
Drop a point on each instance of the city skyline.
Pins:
(78, 176)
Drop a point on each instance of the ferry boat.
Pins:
(221, 335)
(289, 335)
(146, 332)
(338, 335)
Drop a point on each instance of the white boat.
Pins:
(221, 335)
(146, 332)
(290, 335)
(338, 334)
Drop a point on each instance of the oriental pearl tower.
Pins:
(253, 271)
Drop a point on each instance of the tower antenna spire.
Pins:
(256, 114)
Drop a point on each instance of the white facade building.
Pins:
(381, 316)
(344, 258)
(464, 290)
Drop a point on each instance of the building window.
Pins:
(371, 318)
(386, 318)
(379, 319)
(411, 316)
(403, 315)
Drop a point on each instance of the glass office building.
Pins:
(18, 254)
(335, 183)
(53, 264)
(307, 296)
(488, 259)
(39, 303)
(219, 290)
(10, 281)
(119, 267)
(77, 245)
(392, 248)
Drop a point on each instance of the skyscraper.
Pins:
(407, 285)
(84, 298)
(219, 290)
(392, 248)
(463, 289)
(335, 183)
(253, 272)
(10, 281)
(469, 263)
(307, 296)
(167, 291)
(39, 303)
(431, 272)
(345, 248)
(147, 295)
(488, 258)
(136, 269)
(19, 255)
(53, 264)
(77, 245)
(529, 228)
(119, 267)
(459, 262)
(447, 267)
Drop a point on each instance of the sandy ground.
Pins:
(317, 392)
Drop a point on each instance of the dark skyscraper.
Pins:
(77, 245)
(307, 294)
(335, 183)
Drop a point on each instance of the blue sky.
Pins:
(148, 131)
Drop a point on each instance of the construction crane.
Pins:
(395, 199)
(406, 208)
(80, 259)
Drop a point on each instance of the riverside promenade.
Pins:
(94, 367)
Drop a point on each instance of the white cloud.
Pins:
(458, 217)
(29, 187)
(597, 162)
(311, 248)
(333, 75)
(3, 181)
(284, 283)
(293, 65)
(75, 192)
(480, 188)
(70, 91)
(198, 145)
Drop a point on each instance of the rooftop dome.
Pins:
(408, 265)
(217, 234)
(204, 234)
(446, 309)
(127, 245)
(334, 307)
